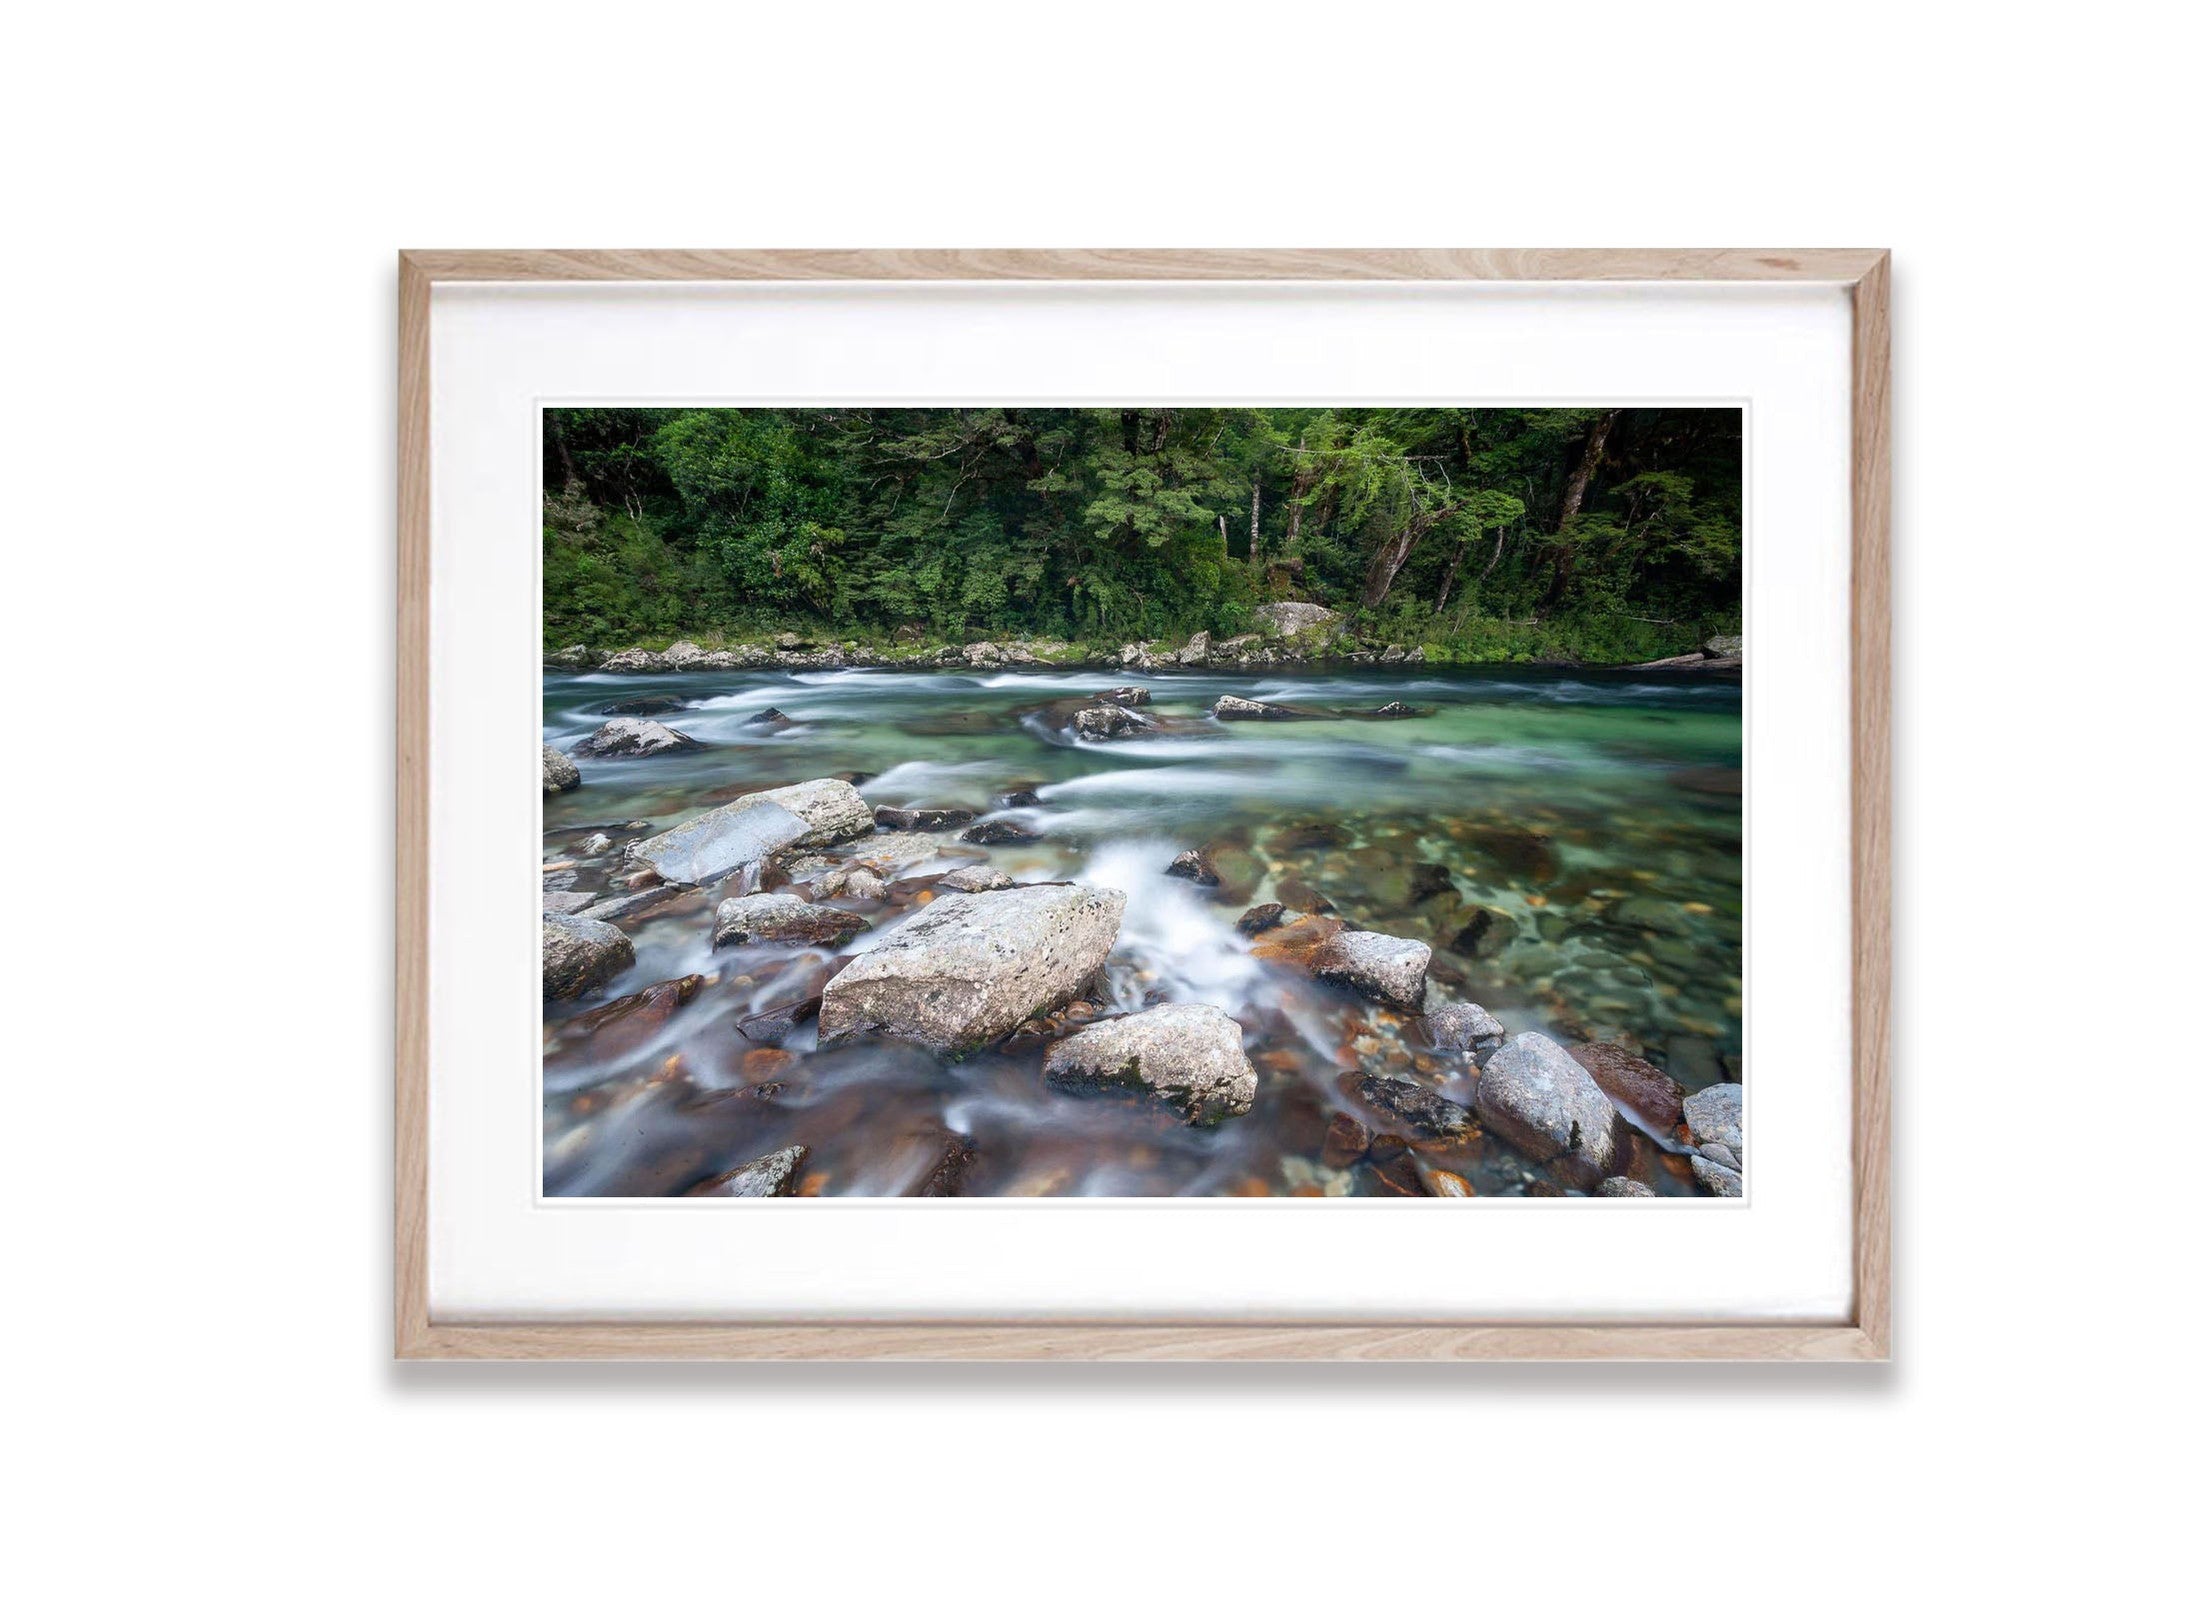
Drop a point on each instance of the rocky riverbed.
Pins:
(1221, 928)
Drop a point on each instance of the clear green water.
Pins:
(1596, 818)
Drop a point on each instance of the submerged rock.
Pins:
(1463, 1027)
(1390, 1162)
(1132, 694)
(646, 705)
(558, 773)
(977, 880)
(1393, 709)
(999, 832)
(623, 737)
(1403, 1100)
(770, 716)
(1194, 867)
(1393, 969)
(1260, 918)
(1233, 708)
(753, 828)
(1289, 618)
(1483, 930)
(1543, 1101)
(968, 968)
(1714, 1117)
(1346, 1142)
(1628, 1080)
(782, 919)
(579, 953)
(771, 1177)
(920, 819)
(1189, 1058)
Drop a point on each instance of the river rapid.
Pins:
(1567, 841)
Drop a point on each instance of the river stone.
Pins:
(753, 827)
(782, 919)
(1726, 646)
(558, 773)
(624, 736)
(1393, 969)
(771, 1177)
(579, 953)
(1134, 694)
(1631, 1081)
(1404, 1100)
(968, 968)
(1260, 918)
(567, 902)
(1101, 722)
(1195, 653)
(1291, 617)
(999, 832)
(634, 661)
(977, 880)
(1714, 1116)
(1345, 1142)
(573, 655)
(1233, 708)
(1193, 867)
(1722, 1180)
(683, 655)
(1190, 1058)
(919, 819)
(1463, 1028)
(1624, 1188)
(1543, 1101)
(770, 716)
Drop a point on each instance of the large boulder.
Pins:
(1291, 617)
(634, 661)
(1714, 1117)
(1540, 1099)
(558, 773)
(922, 819)
(968, 968)
(1725, 647)
(1189, 1058)
(782, 919)
(754, 827)
(771, 1177)
(573, 657)
(624, 736)
(1096, 723)
(683, 656)
(580, 953)
(1196, 652)
(1233, 708)
(1379, 966)
(1721, 1178)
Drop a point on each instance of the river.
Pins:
(1568, 841)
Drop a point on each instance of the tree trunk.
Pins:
(1390, 562)
(1576, 490)
(1252, 553)
(1450, 576)
(1495, 556)
(1576, 486)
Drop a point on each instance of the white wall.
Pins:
(198, 500)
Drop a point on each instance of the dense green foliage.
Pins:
(1483, 534)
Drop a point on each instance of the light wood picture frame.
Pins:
(1863, 1335)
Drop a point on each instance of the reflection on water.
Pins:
(1569, 843)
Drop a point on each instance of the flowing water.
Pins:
(1569, 842)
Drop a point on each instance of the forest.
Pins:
(1480, 534)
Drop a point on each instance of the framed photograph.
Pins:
(1143, 805)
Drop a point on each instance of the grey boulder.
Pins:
(558, 773)
(1720, 1177)
(977, 880)
(1541, 1100)
(1101, 722)
(782, 919)
(1188, 1058)
(1714, 1117)
(771, 1177)
(754, 827)
(968, 968)
(1382, 967)
(579, 953)
(1291, 617)
(623, 737)
(1463, 1027)
(1234, 708)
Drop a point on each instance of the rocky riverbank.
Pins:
(1287, 633)
(791, 951)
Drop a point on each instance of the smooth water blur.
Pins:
(1568, 842)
